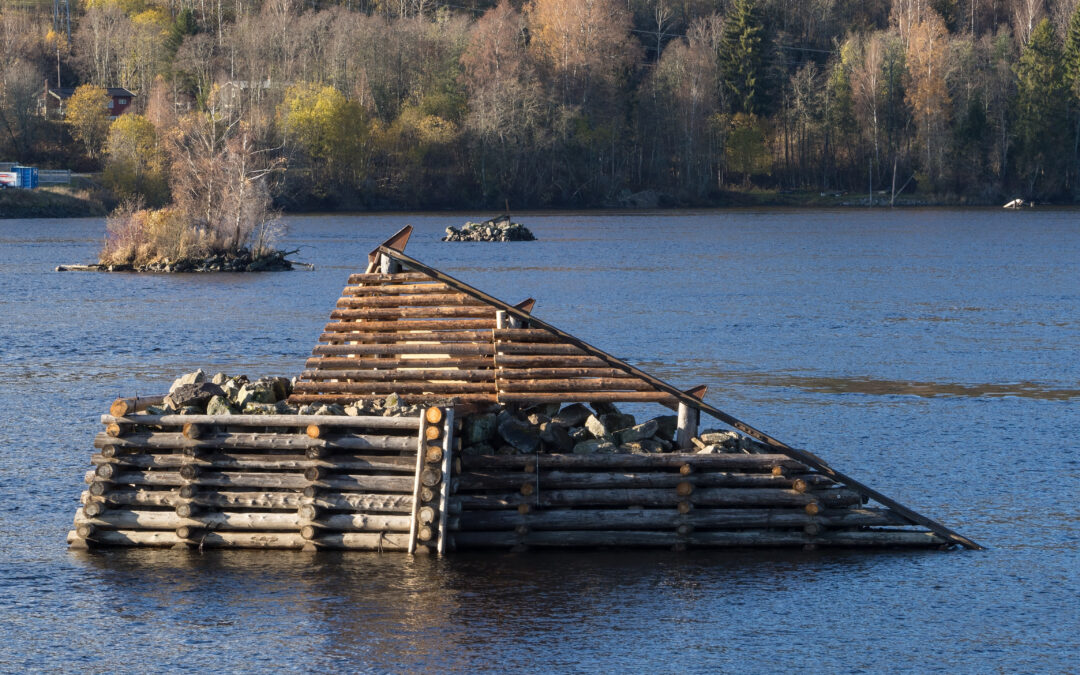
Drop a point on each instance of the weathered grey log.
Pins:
(450, 465)
(125, 496)
(384, 503)
(296, 421)
(350, 462)
(264, 480)
(418, 469)
(494, 480)
(402, 385)
(737, 538)
(94, 509)
(588, 397)
(687, 426)
(430, 477)
(721, 462)
(404, 372)
(162, 440)
(282, 540)
(125, 519)
(735, 497)
(426, 399)
(642, 519)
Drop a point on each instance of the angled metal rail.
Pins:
(689, 399)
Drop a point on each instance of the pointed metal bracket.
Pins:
(396, 242)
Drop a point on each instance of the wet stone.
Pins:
(573, 415)
(519, 434)
(556, 438)
(638, 432)
(594, 447)
(479, 428)
(219, 405)
(192, 395)
(666, 425)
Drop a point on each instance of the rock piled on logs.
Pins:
(196, 394)
(572, 429)
(502, 230)
(578, 429)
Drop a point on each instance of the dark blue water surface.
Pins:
(934, 354)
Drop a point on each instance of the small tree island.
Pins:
(212, 209)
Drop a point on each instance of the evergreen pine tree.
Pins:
(1041, 105)
(743, 59)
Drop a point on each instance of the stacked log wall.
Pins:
(675, 500)
(245, 481)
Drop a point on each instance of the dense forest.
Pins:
(416, 103)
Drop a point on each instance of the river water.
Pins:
(932, 354)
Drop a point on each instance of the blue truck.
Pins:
(16, 176)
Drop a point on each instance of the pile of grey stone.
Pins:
(198, 394)
(500, 230)
(584, 430)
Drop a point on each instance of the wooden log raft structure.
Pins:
(312, 482)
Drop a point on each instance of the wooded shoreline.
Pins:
(87, 207)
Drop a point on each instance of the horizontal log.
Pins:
(645, 519)
(588, 397)
(219, 499)
(358, 541)
(391, 338)
(128, 519)
(739, 538)
(395, 278)
(483, 312)
(402, 386)
(711, 496)
(556, 373)
(397, 289)
(721, 462)
(571, 479)
(540, 348)
(474, 349)
(299, 442)
(292, 481)
(575, 385)
(484, 335)
(512, 361)
(357, 422)
(425, 399)
(127, 406)
(418, 300)
(400, 374)
(261, 462)
(328, 363)
(368, 325)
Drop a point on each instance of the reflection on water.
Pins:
(958, 330)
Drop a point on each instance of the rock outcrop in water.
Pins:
(499, 229)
